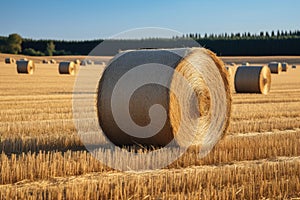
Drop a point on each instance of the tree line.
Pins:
(234, 44)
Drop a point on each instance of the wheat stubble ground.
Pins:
(42, 156)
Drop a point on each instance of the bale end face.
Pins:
(231, 74)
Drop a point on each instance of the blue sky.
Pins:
(78, 19)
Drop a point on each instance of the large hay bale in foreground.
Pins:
(254, 79)
(275, 67)
(284, 66)
(10, 60)
(67, 68)
(25, 66)
(200, 121)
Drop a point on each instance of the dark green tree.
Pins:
(278, 33)
(273, 34)
(14, 42)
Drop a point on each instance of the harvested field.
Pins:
(43, 157)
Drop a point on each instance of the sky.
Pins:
(95, 19)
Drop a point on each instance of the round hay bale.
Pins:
(25, 66)
(77, 62)
(275, 67)
(84, 63)
(10, 60)
(45, 61)
(90, 62)
(254, 79)
(284, 66)
(87, 62)
(201, 68)
(67, 68)
(245, 63)
(232, 64)
(52, 61)
(294, 66)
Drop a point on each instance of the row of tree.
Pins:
(234, 44)
(13, 45)
(246, 35)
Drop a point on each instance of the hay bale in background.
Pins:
(245, 63)
(294, 66)
(275, 67)
(87, 62)
(52, 61)
(10, 60)
(45, 61)
(254, 79)
(284, 66)
(25, 66)
(101, 63)
(67, 68)
(213, 73)
(90, 62)
(83, 63)
(77, 62)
